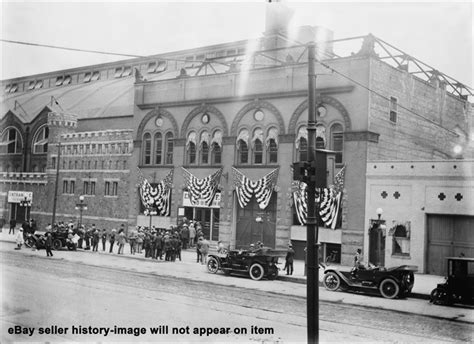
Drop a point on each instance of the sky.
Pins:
(437, 33)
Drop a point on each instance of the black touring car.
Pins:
(257, 263)
(389, 282)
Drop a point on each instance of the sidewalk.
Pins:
(189, 269)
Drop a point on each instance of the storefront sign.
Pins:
(18, 196)
(201, 203)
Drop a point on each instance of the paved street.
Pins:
(71, 290)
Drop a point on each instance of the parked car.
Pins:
(257, 264)
(61, 239)
(37, 240)
(459, 285)
(389, 282)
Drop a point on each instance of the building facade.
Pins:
(93, 131)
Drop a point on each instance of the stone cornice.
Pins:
(364, 135)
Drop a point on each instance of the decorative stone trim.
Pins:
(155, 113)
(258, 104)
(361, 136)
(200, 110)
(323, 99)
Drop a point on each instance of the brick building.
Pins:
(227, 106)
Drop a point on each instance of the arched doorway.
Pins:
(255, 224)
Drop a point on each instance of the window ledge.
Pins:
(401, 255)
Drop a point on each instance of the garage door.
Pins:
(448, 236)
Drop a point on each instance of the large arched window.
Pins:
(243, 147)
(216, 150)
(257, 145)
(169, 148)
(191, 148)
(147, 149)
(11, 142)
(301, 144)
(158, 146)
(204, 147)
(272, 146)
(40, 140)
(320, 143)
(337, 142)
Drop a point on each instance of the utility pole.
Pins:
(55, 200)
(312, 280)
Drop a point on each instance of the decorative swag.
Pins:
(204, 189)
(156, 198)
(329, 200)
(262, 188)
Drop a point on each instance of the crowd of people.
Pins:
(154, 243)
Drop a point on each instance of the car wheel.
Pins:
(331, 281)
(57, 244)
(212, 265)
(272, 272)
(389, 289)
(30, 242)
(256, 271)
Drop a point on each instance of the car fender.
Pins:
(343, 278)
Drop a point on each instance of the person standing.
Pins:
(358, 258)
(290, 255)
(12, 226)
(204, 249)
(49, 244)
(104, 238)
(121, 241)
(112, 240)
(192, 235)
(19, 239)
(95, 240)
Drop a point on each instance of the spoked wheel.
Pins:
(272, 272)
(57, 244)
(440, 297)
(30, 242)
(389, 289)
(212, 265)
(331, 281)
(256, 271)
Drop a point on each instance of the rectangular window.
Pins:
(114, 188)
(92, 188)
(85, 188)
(337, 147)
(72, 188)
(87, 77)
(393, 109)
(107, 189)
(65, 186)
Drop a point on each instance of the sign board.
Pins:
(18, 196)
(201, 203)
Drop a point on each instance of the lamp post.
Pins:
(27, 204)
(81, 206)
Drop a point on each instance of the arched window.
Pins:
(191, 148)
(243, 152)
(40, 141)
(258, 152)
(204, 153)
(158, 148)
(272, 152)
(337, 142)
(169, 148)
(303, 149)
(320, 143)
(147, 149)
(216, 154)
(11, 142)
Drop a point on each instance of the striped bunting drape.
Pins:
(329, 200)
(204, 189)
(156, 198)
(262, 188)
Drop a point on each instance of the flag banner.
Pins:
(156, 199)
(329, 200)
(262, 189)
(202, 189)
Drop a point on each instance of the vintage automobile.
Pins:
(389, 282)
(37, 239)
(459, 285)
(257, 264)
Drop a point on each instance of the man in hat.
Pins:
(203, 249)
(49, 244)
(290, 254)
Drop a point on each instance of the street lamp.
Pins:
(26, 203)
(81, 206)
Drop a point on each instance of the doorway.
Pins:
(377, 243)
